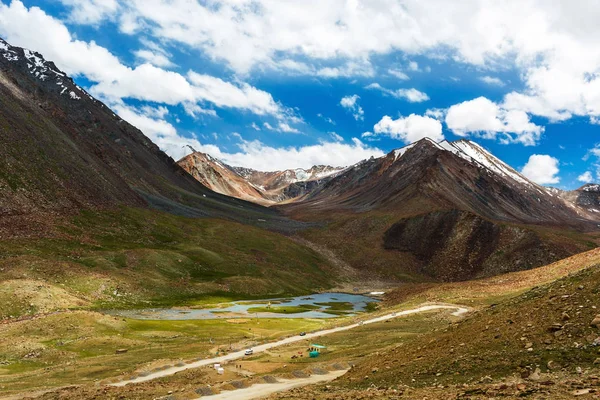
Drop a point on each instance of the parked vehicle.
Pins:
(302, 333)
(249, 352)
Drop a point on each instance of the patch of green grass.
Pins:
(337, 305)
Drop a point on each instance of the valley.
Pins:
(434, 270)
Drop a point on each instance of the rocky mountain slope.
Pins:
(459, 175)
(449, 210)
(61, 150)
(220, 178)
(585, 198)
(260, 187)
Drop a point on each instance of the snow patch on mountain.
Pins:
(41, 69)
(474, 153)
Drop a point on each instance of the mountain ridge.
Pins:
(82, 155)
(262, 187)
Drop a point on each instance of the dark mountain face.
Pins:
(446, 177)
(453, 207)
(61, 150)
(459, 245)
(586, 199)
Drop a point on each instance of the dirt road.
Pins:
(293, 339)
(265, 389)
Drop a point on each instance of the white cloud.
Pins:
(252, 154)
(484, 118)
(257, 155)
(491, 80)
(150, 121)
(91, 11)
(154, 58)
(280, 127)
(348, 69)
(437, 113)
(370, 136)
(409, 129)
(225, 94)
(336, 137)
(411, 95)
(398, 74)
(586, 177)
(351, 103)
(194, 110)
(116, 81)
(155, 112)
(594, 153)
(147, 120)
(542, 169)
(255, 127)
(552, 44)
(326, 119)
(283, 127)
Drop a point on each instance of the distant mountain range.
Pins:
(260, 187)
(466, 176)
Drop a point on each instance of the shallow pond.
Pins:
(321, 305)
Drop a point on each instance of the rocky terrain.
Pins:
(586, 197)
(221, 178)
(265, 188)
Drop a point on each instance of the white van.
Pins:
(249, 352)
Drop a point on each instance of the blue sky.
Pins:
(285, 84)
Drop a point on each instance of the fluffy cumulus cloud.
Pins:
(542, 169)
(91, 11)
(257, 155)
(152, 57)
(114, 80)
(351, 104)
(411, 95)
(409, 129)
(592, 155)
(483, 118)
(586, 177)
(553, 44)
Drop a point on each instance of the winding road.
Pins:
(293, 339)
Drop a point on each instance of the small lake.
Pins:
(321, 305)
